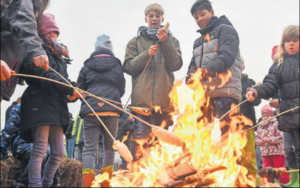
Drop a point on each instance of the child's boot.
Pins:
(88, 176)
(108, 170)
(296, 176)
(293, 177)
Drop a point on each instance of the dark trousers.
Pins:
(218, 107)
(295, 136)
(142, 131)
(290, 153)
(23, 179)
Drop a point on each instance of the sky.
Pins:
(259, 24)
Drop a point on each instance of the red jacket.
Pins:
(274, 137)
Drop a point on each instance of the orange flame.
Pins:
(151, 170)
(157, 109)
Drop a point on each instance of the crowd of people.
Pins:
(36, 126)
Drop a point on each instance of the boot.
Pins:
(108, 170)
(296, 176)
(88, 176)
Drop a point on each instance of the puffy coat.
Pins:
(274, 137)
(221, 53)
(156, 84)
(102, 76)
(44, 102)
(19, 42)
(247, 109)
(11, 135)
(284, 77)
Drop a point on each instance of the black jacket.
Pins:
(44, 102)
(247, 109)
(284, 77)
(19, 42)
(103, 77)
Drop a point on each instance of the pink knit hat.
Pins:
(267, 109)
(47, 24)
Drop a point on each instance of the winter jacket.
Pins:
(157, 81)
(221, 53)
(247, 109)
(7, 113)
(273, 135)
(102, 76)
(11, 135)
(44, 102)
(19, 43)
(284, 77)
(77, 131)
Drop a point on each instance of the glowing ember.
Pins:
(204, 150)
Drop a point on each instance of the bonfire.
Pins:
(206, 158)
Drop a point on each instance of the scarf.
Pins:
(152, 32)
(58, 49)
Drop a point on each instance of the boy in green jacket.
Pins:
(157, 80)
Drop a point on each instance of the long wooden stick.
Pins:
(101, 99)
(290, 171)
(75, 89)
(270, 119)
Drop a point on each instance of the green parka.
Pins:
(157, 81)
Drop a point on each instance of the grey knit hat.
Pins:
(103, 42)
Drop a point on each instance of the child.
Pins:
(284, 75)
(45, 114)
(220, 42)
(270, 141)
(157, 81)
(101, 75)
(21, 149)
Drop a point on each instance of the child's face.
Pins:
(292, 47)
(154, 20)
(265, 116)
(53, 35)
(202, 17)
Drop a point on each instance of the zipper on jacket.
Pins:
(14, 69)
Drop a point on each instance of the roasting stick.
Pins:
(126, 155)
(166, 28)
(270, 119)
(161, 133)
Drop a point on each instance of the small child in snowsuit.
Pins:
(284, 76)
(101, 75)
(45, 114)
(270, 141)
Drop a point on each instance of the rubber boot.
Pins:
(88, 176)
(296, 184)
(108, 170)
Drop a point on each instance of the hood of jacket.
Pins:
(214, 22)
(102, 63)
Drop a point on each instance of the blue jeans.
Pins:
(290, 151)
(70, 148)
